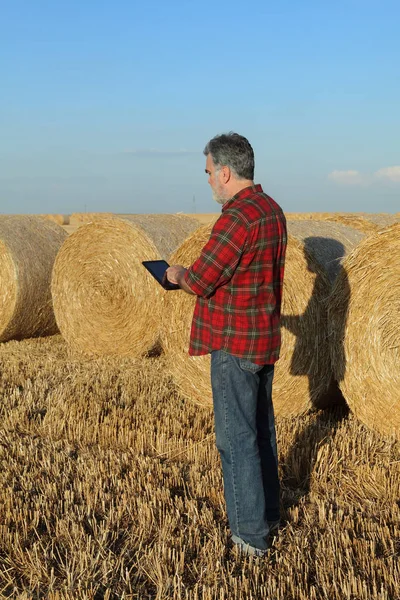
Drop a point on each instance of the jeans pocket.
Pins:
(247, 365)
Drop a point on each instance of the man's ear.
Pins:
(226, 174)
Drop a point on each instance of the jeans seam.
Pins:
(228, 435)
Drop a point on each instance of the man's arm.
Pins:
(217, 262)
(176, 274)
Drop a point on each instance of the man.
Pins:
(238, 283)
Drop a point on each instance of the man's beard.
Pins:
(217, 196)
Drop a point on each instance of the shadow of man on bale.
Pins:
(298, 464)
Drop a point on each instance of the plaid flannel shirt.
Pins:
(238, 280)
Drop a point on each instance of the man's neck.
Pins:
(238, 186)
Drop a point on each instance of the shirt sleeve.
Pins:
(219, 257)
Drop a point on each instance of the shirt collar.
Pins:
(244, 193)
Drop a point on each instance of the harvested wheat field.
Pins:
(303, 376)
(110, 487)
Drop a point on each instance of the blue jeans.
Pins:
(246, 440)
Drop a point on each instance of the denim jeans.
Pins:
(246, 440)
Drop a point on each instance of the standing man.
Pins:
(238, 283)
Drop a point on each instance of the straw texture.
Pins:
(364, 317)
(28, 247)
(105, 301)
(303, 374)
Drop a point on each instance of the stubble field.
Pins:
(111, 488)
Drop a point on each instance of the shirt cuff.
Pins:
(194, 285)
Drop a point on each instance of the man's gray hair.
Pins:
(234, 151)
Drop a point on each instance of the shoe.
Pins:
(273, 527)
(243, 548)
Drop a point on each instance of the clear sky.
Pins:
(107, 106)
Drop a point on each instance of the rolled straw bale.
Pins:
(204, 218)
(71, 228)
(381, 219)
(355, 221)
(28, 248)
(307, 216)
(105, 301)
(328, 241)
(364, 321)
(59, 219)
(303, 373)
(167, 231)
(79, 218)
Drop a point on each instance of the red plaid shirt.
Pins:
(238, 280)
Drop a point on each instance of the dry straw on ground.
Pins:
(111, 488)
(104, 299)
(364, 311)
(28, 248)
(303, 373)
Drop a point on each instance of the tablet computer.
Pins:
(157, 268)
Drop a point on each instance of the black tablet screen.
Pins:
(157, 268)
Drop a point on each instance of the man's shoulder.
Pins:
(258, 206)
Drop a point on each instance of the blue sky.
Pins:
(108, 106)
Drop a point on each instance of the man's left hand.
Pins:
(175, 273)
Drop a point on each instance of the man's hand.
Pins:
(176, 274)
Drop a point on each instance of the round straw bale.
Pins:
(167, 231)
(71, 228)
(79, 218)
(307, 216)
(364, 322)
(355, 221)
(381, 219)
(28, 248)
(303, 373)
(105, 301)
(328, 241)
(59, 219)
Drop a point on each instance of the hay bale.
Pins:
(204, 218)
(364, 318)
(328, 241)
(307, 216)
(166, 231)
(355, 221)
(59, 219)
(303, 374)
(381, 219)
(80, 218)
(28, 248)
(70, 228)
(105, 301)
